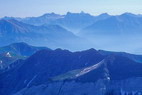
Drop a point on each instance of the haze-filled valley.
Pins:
(76, 31)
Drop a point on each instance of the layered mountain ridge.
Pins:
(12, 31)
(61, 72)
(75, 31)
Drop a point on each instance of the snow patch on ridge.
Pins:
(8, 54)
(0, 61)
(31, 81)
(88, 69)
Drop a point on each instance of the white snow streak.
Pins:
(86, 70)
(31, 80)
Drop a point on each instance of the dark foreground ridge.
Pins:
(61, 72)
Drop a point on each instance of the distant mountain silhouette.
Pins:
(128, 24)
(12, 31)
(71, 21)
(41, 20)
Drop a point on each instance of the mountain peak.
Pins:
(104, 14)
(62, 50)
(128, 15)
(92, 49)
(82, 13)
(51, 15)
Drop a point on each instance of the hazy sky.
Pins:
(24, 8)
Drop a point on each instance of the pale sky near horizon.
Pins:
(26, 8)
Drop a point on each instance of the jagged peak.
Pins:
(82, 13)
(90, 50)
(62, 50)
(51, 14)
(104, 14)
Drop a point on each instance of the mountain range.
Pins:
(128, 24)
(71, 21)
(61, 72)
(75, 31)
(78, 22)
(12, 31)
(41, 20)
(86, 22)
